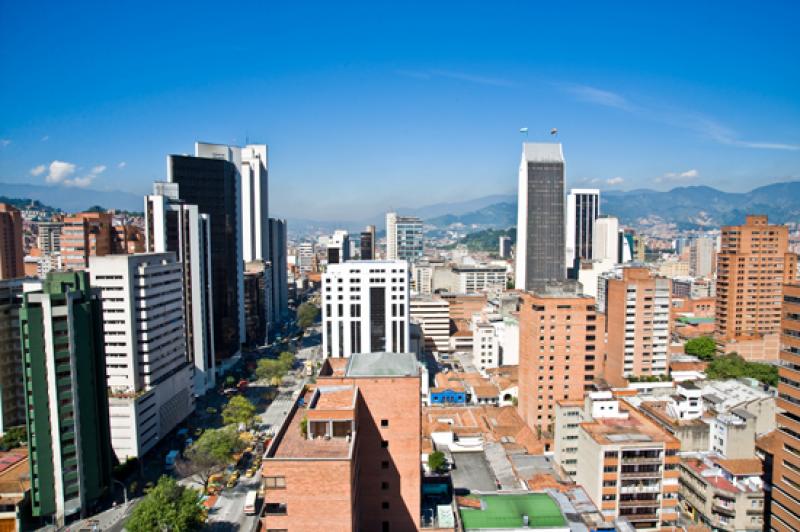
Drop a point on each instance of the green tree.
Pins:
(14, 437)
(732, 366)
(270, 369)
(210, 453)
(168, 507)
(238, 410)
(287, 360)
(437, 462)
(703, 347)
(306, 314)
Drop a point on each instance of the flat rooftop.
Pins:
(382, 365)
(635, 430)
(507, 511)
(292, 443)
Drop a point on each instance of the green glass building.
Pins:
(64, 374)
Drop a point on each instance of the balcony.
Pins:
(632, 503)
(642, 460)
(639, 517)
(640, 489)
(641, 474)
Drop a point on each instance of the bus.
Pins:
(250, 502)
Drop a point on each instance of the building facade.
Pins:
(255, 202)
(12, 392)
(605, 246)
(365, 308)
(279, 267)
(583, 208)
(367, 245)
(85, 235)
(702, 257)
(404, 238)
(540, 216)
(11, 252)
(504, 247)
(339, 247)
(433, 315)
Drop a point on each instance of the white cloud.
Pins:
(678, 177)
(4, 142)
(38, 170)
(61, 172)
(122, 164)
(45, 138)
(599, 96)
(614, 181)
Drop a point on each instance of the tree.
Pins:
(703, 348)
(437, 462)
(168, 507)
(238, 410)
(210, 453)
(287, 360)
(306, 314)
(270, 369)
(14, 437)
(732, 366)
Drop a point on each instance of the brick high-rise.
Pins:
(83, 235)
(752, 264)
(11, 254)
(561, 351)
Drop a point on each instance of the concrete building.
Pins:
(495, 341)
(433, 315)
(723, 494)
(367, 244)
(752, 264)
(404, 237)
(422, 276)
(48, 237)
(479, 278)
(68, 421)
(339, 247)
(560, 351)
(605, 239)
(583, 208)
(257, 301)
(11, 252)
(365, 308)
(348, 456)
(12, 393)
(127, 238)
(149, 375)
(211, 180)
(174, 226)
(702, 257)
(786, 471)
(590, 273)
(279, 266)
(306, 254)
(504, 247)
(638, 324)
(254, 172)
(85, 235)
(626, 463)
(540, 216)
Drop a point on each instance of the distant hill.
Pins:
(694, 207)
(72, 199)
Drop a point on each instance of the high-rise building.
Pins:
(785, 507)
(583, 208)
(279, 266)
(211, 181)
(11, 252)
(561, 350)
(127, 238)
(149, 374)
(637, 306)
(347, 456)
(404, 237)
(255, 202)
(605, 240)
(504, 247)
(365, 308)
(171, 225)
(12, 392)
(64, 373)
(540, 218)
(339, 247)
(433, 316)
(752, 264)
(49, 236)
(368, 243)
(84, 235)
(702, 255)
(305, 256)
(257, 301)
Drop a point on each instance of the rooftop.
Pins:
(636, 429)
(382, 365)
(507, 511)
(741, 466)
(15, 477)
(542, 152)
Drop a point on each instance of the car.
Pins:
(232, 482)
(250, 472)
(235, 474)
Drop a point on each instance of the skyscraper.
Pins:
(11, 253)
(605, 240)
(540, 216)
(365, 308)
(504, 247)
(583, 208)
(339, 247)
(368, 243)
(305, 256)
(255, 202)
(171, 225)
(84, 235)
(12, 392)
(64, 372)
(404, 237)
(702, 256)
(752, 264)
(149, 374)
(211, 181)
(280, 280)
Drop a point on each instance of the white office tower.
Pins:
(605, 242)
(171, 225)
(702, 255)
(305, 256)
(433, 316)
(149, 378)
(255, 202)
(540, 216)
(583, 208)
(339, 247)
(504, 247)
(365, 308)
(404, 237)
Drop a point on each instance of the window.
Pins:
(384, 444)
(385, 464)
(385, 526)
(385, 505)
(275, 483)
(384, 486)
(384, 423)
(275, 508)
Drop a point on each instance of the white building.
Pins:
(605, 241)
(702, 257)
(478, 278)
(365, 308)
(589, 274)
(404, 237)
(433, 315)
(339, 247)
(495, 341)
(255, 202)
(171, 225)
(583, 208)
(504, 247)
(305, 256)
(149, 378)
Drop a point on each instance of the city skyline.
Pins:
(400, 99)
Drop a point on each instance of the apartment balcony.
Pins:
(633, 518)
(638, 503)
(642, 460)
(641, 474)
(724, 510)
(640, 489)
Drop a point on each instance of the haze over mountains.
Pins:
(687, 207)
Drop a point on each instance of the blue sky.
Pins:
(373, 105)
